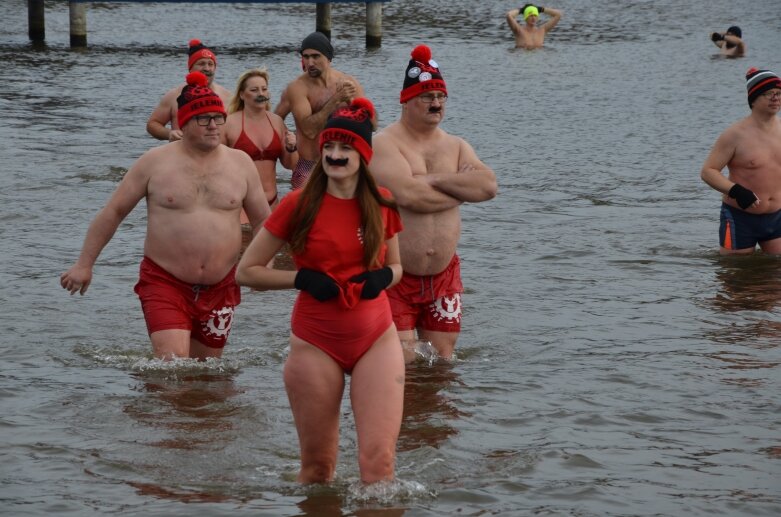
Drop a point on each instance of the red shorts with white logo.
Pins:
(205, 310)
(430, 302)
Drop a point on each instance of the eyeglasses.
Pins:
(205, 120)
(771, 95)
(428, 98)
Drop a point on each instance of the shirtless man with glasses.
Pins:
(751, 150)
(195, 189)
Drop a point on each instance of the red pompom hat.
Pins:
(422, 75)
(197, 98)
(351, 125)
(198, 50)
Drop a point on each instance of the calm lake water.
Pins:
(611, 362)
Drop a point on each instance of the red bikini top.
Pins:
(245, 143)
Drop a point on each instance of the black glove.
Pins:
(318, 284)
(376, 281)
(715, 36)
(541, 8)
(742, 195)
(523, 8)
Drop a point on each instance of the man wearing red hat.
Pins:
(312, 97)
(195, 189)
(430, 173)
(201, 59)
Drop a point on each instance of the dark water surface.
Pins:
(611, 362)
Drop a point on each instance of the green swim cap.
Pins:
(530, 11)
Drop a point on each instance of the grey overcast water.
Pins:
(611, 362)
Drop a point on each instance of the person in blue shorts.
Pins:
(751, 150)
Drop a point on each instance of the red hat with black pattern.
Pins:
(197, 98)
(422, 75)
(198, 50)
(351, 125)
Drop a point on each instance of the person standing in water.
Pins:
(530, 35)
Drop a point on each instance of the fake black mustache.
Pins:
(341, 162)
(435, 109)
(261, 98)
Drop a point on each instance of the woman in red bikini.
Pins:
(253, 128)
(342, 231)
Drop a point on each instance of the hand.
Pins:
(715, 36)
(743, 196)
(318, 284)
(375, 282)
(541, 8)
(174, 135)
(291, 145)
(346, 91)
(77, 278)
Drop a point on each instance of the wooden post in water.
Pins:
(78, 19)
(373, 24)
(36, 28)
(323, 21)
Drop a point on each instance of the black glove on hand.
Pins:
(318, 284)
(715, 36)
(541, 8)
(742, 195)
(523, 8)
(376, 281)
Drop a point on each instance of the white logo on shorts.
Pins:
(447, 308)
(219, 322)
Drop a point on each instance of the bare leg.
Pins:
(407, 339)
(443, 342)
(744, 251)
(315, 384)
(169, 344)
(377, 396)
(201, 352)
(772, 247)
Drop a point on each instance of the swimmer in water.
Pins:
(530, 35)
(730, 42)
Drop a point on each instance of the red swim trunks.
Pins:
(429, 302)
(205, 310)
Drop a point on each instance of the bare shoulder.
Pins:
(170, 96)
(389, 136)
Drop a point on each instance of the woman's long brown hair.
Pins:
(369, 199)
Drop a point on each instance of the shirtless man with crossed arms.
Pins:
(430, 173)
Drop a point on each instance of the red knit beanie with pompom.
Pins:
(197, 98)
(198, 50)
(351, 125)
(422, 75)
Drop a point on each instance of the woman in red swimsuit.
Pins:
(253, 128)
(342, 231)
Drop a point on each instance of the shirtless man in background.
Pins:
(312, 97)
(751, 150)
(195, 189)
(529, 35)
(430, 174)
(201, 59)
(730, 42)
